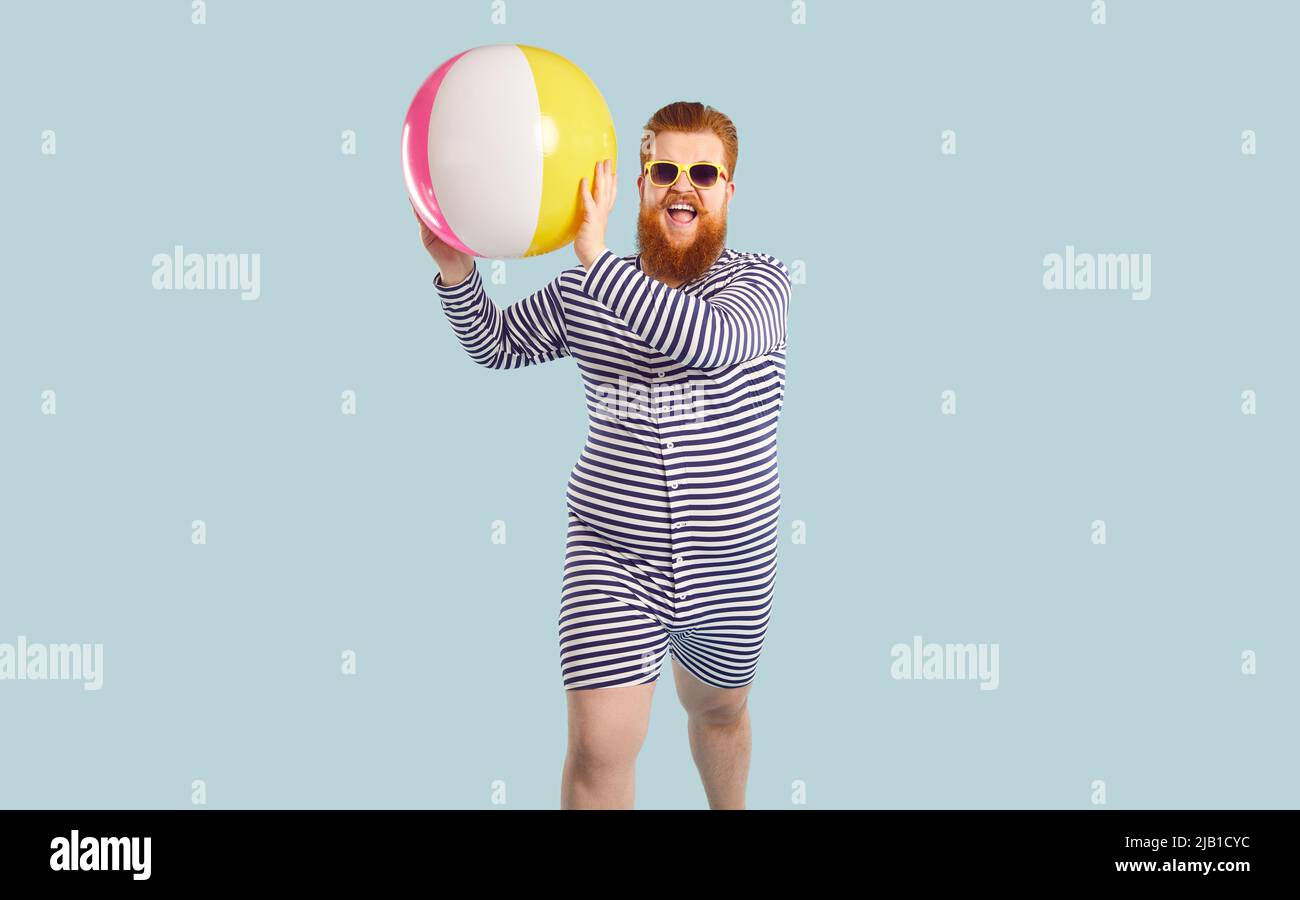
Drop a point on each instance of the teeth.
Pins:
(682, 206)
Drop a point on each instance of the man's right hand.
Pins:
(454, 265)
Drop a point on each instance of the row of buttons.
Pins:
(672, 486)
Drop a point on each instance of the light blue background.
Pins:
(371, 533)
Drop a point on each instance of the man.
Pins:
(673, 505)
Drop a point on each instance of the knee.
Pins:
(719, 713)
(594, 751)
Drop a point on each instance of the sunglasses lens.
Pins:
(704, 174)
(663, 174)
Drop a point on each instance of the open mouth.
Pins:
(682, 214)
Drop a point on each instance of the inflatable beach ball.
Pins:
(495, 145)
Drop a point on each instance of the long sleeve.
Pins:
(526, 332)
(745, 320)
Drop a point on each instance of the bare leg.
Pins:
(607, 727)
(720, 736)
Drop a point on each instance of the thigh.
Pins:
(701, 700)
(723, 607)
(609, 723)
(611, 621)
(716, 644)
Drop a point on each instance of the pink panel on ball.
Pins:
(415, 157)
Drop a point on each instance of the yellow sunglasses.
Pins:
(664, 173)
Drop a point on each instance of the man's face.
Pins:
(676, 247)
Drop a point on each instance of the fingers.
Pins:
(423, 227)
(605, 184)
(603, 187)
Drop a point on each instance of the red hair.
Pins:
(687, 116)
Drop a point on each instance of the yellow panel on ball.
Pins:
(577, 132)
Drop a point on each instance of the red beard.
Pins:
(664, 260)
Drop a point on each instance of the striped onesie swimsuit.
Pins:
(673, 504)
